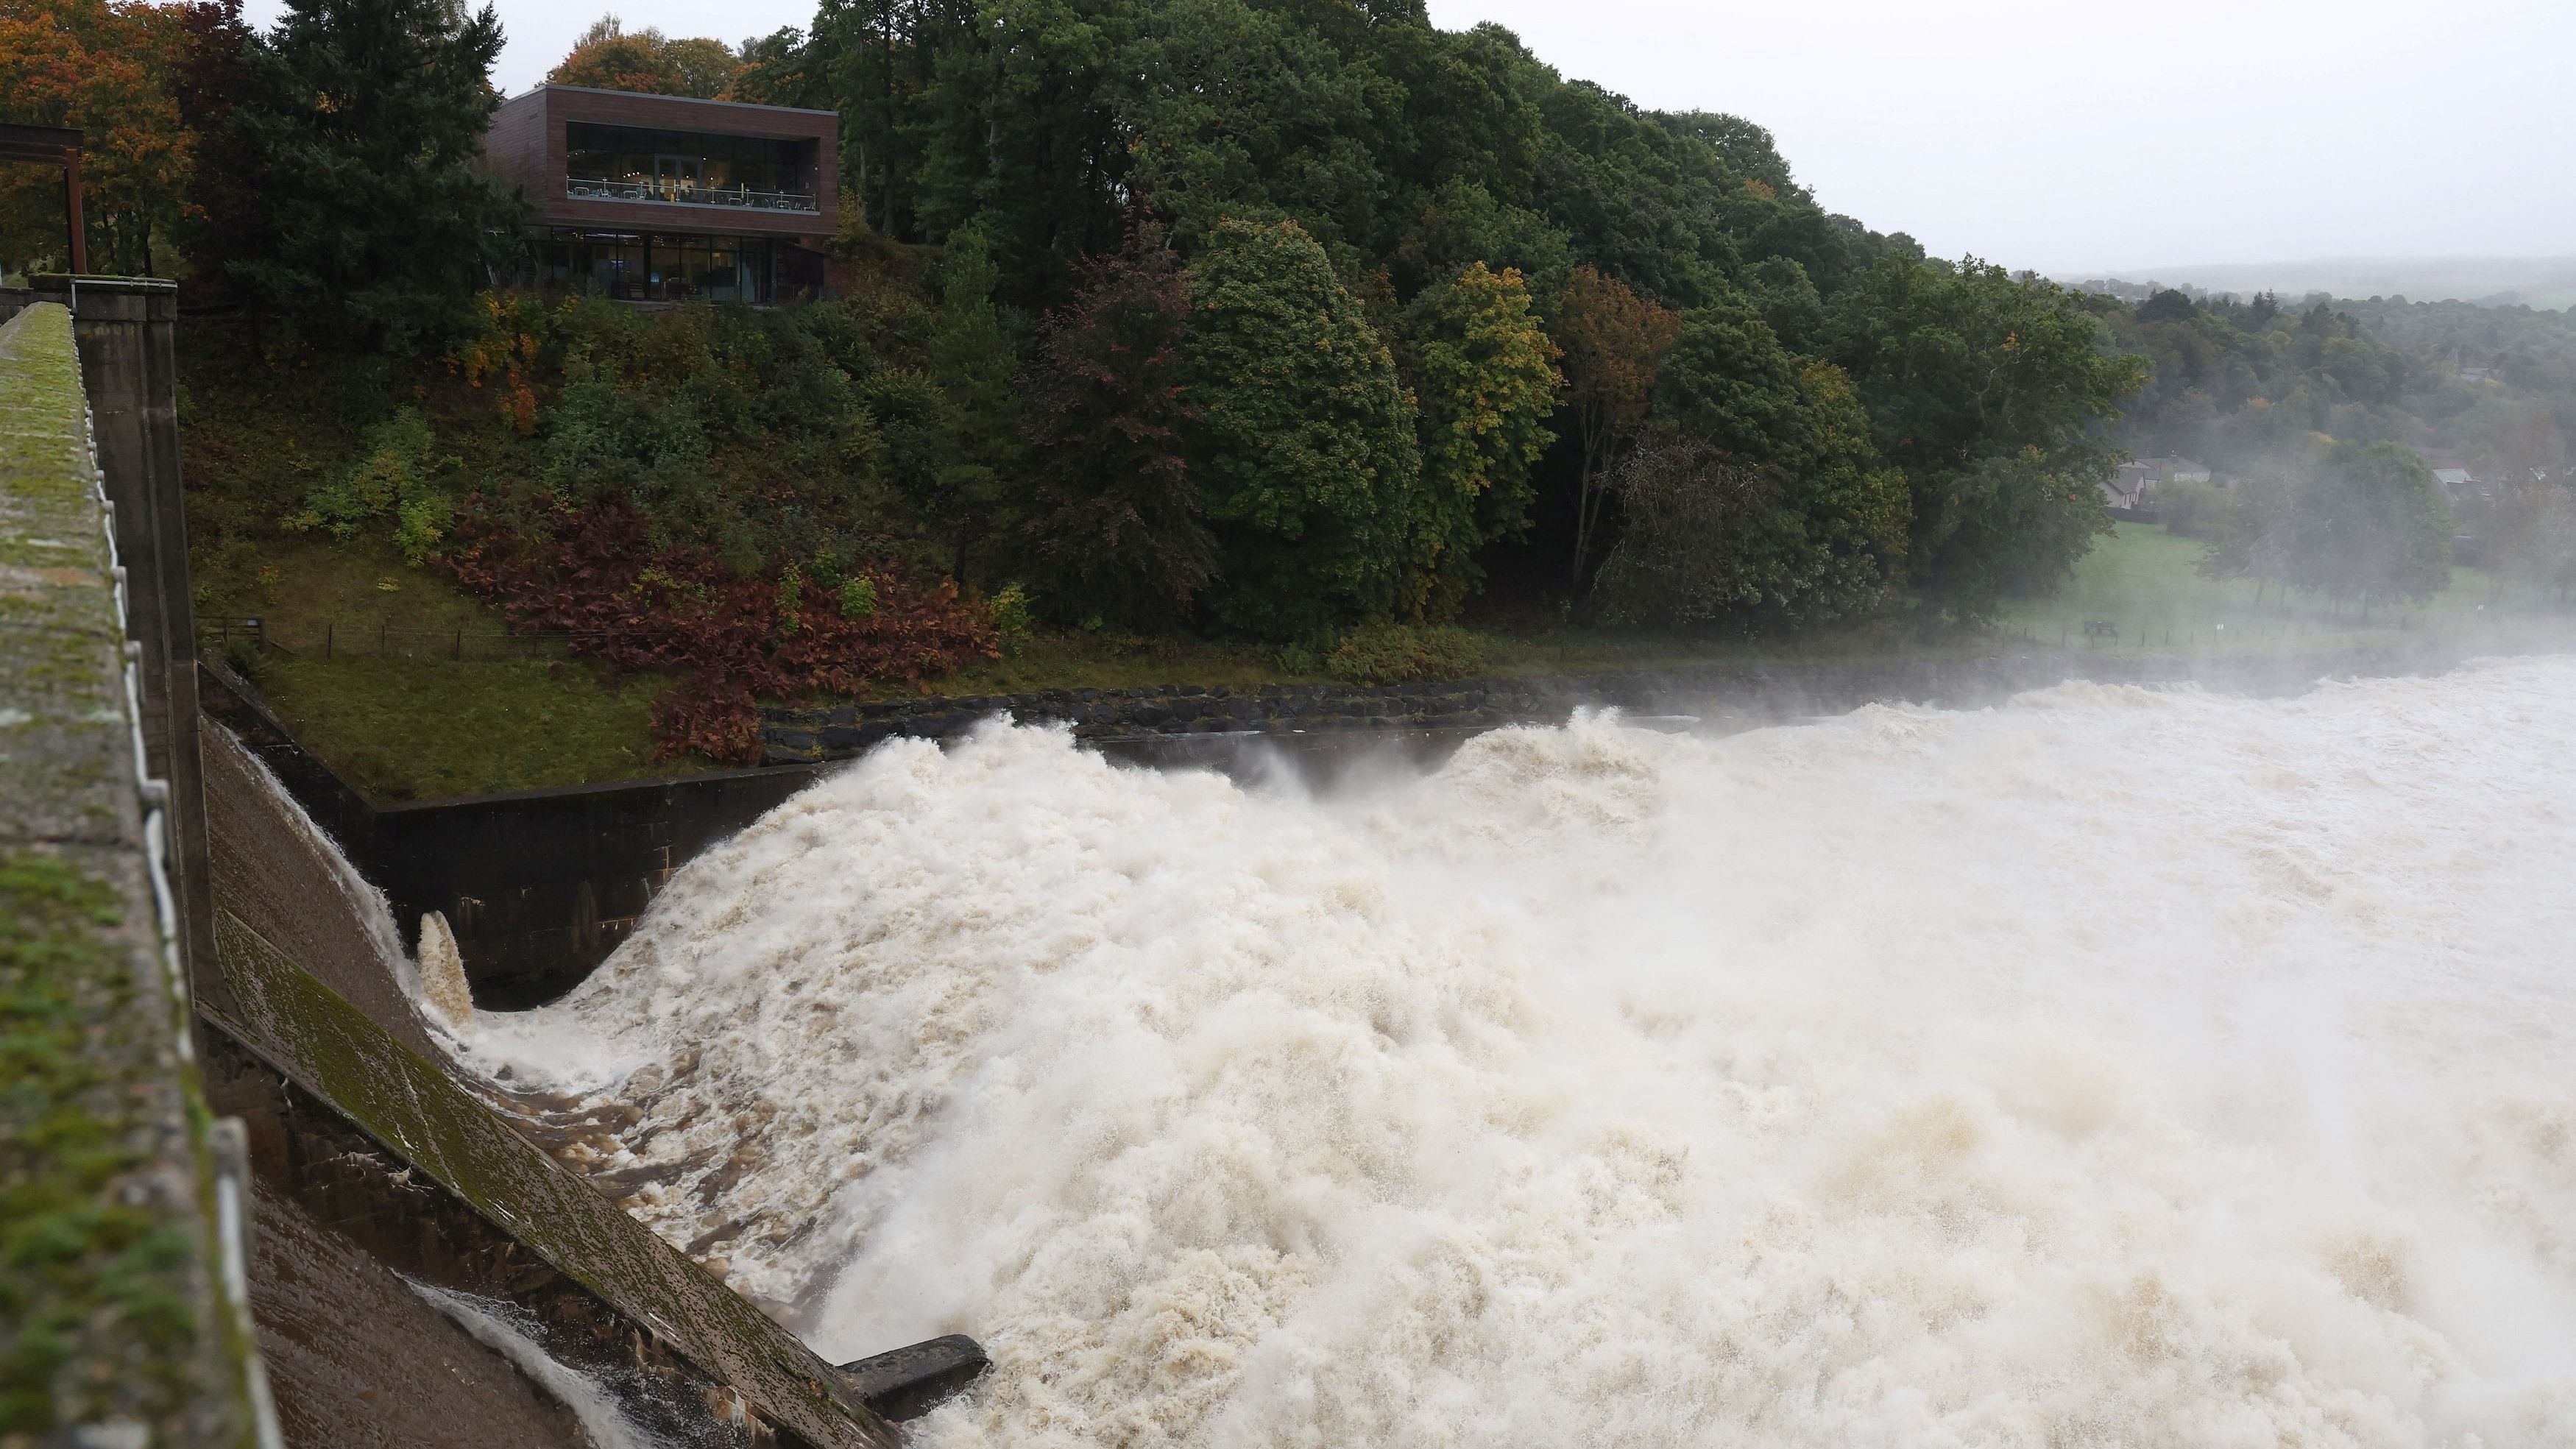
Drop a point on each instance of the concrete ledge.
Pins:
(113, 1324)
(1748, 691)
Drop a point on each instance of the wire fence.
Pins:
(384, 641)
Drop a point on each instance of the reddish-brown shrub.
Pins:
(598, 577)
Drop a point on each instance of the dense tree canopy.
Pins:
(610, 57)
(1288, 319)
(111, 71)
(1996, 395)
(364, 121)
(1310, 468)
(2351, 521)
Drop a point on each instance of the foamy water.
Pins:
(2115, 1067)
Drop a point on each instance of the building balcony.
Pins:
(682, 193)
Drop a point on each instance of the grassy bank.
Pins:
(2143, 583)
(369, 672)
(389, 673)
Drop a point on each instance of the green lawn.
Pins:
(361, 673)
(2144, 582)
(420, 729)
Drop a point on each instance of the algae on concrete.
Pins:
(112, 1327)
(409, 1104)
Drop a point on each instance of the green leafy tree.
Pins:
(2166, 306)
(1484, 378)
(781, 69)
(2355, 521)
(1763, 501)
(2256, 535)
(1728, 382)
(1310, 470)
(2376, 528)
(1239, 110)
(1462, 222)
(1020, 139)
(1994, 394)
(363, 123)
(1117, 529)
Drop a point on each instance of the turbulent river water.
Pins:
(2111, 1067)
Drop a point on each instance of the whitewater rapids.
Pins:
(2112, 1067)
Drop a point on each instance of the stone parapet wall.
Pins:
(115, 1326)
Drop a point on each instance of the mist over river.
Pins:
(2113, 1067)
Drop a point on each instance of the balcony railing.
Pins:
(673, 193)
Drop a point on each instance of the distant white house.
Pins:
(2134, 485)
(2128, 486)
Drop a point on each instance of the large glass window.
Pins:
(655, 266)
(633, 163)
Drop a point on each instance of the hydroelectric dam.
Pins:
(2027, 1051)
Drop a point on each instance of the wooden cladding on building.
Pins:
(528, 145)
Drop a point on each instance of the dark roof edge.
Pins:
(691, 100)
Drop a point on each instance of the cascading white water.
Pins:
(2116, 1067)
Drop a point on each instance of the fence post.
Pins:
(330, 637)
(384, 628)
(460, 644)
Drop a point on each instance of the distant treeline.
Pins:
(2235, 381)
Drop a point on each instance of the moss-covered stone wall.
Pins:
(114, 1328)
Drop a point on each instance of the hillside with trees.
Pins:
(2277, 400)
(2234, 380)
(1248, 320)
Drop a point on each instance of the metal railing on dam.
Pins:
(122, 1312)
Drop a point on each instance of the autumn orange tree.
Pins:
(104, 67)
(1614, 344)
(610, 57)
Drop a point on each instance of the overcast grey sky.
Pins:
(2067, 136)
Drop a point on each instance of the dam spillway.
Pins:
(2114, 1065)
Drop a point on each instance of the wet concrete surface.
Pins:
(283, 881)
(358, 1360)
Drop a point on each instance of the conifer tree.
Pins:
(363, 124)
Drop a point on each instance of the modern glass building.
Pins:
(664, 199)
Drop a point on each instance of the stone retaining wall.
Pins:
(802, 736)
(1745, 692)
